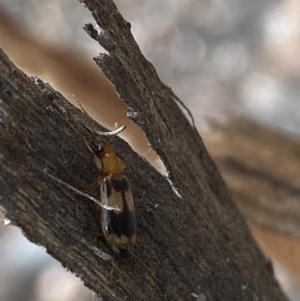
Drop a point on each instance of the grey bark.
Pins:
(197, 246)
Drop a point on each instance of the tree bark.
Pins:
(196, 246)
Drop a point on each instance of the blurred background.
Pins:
(236, 66)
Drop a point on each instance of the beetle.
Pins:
(118, 225)
(116, 205)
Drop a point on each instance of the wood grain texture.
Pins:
(72, 72)
(195, 246)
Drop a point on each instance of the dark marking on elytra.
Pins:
(120, 184)
(122, 224)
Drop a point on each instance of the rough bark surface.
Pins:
(197, 246)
